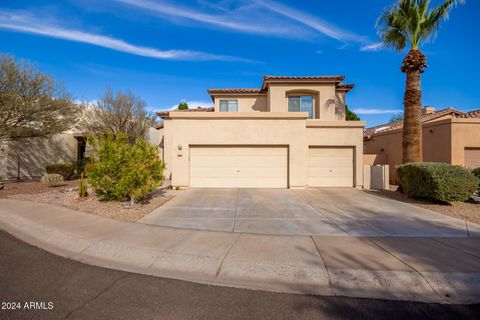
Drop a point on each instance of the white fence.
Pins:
(376, 177)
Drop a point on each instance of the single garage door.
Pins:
(330, 167)
(472, 158)
(238, 167)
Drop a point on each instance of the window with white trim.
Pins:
(228, 105)
(301, 104)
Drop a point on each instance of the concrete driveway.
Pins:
(322, 211)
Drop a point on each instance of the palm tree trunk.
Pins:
(412, 126)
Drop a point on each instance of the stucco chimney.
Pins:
(428, 109)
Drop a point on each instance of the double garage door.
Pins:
(266, 167)
(239, 167)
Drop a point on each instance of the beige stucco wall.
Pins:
(328, 105)
(246, 103)
(32, 155)
(183, 130)
(465, 134)
(443, 141)
(339, 134)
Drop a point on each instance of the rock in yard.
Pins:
(52, 197)
(474, 199)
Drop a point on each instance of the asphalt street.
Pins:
(44, 286)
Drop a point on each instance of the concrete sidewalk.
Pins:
(445, 270)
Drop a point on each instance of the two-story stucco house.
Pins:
(289, 133)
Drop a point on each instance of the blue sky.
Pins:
(172, 51)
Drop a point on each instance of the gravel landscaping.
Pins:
(461, 210)
(30, 187)
(67, 196)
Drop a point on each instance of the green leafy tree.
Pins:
(350, 115)
(412, 23)
(32, 104)
(182, 106)
(115, 113)
(120, 170)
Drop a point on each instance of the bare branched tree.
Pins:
(115, 113)
(32, 104)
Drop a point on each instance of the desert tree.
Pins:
(182, 106)
(115, 113)
(396, 117)
(350, 115)
(32, 104)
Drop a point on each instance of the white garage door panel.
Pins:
(472, 158)
(238, 167)
(330, 167)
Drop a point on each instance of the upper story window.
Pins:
(228, 105)
(301, 104)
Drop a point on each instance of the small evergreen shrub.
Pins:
(121, 171)
(66, 170)
(436, 181)
(80, 165)
(52, 179)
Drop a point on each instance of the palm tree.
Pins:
(412, 22)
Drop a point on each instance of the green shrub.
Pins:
(120, 171)
(436, 181)
(66, 170)
(52, 179)
(476, 172)
(80, 165)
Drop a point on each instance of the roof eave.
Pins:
(325, 79)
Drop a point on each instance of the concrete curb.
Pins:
(288, 264)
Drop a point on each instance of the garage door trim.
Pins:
(349, 147)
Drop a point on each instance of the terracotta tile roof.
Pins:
(344, 87)
(266, 79)
(369, 132)
(336, 79)
(470, 114)
(235, 91)
(313, 78)
(163, 114)
(158, 126)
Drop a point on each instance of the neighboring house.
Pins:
(449, 135)
(290, 133)
(27, 158)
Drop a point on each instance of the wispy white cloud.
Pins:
(372, 47)
(261, 17)
(241, 19)
(376, 111)
(311, 21)
(27, 24)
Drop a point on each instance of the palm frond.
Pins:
(434, 16)
(412, 22)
